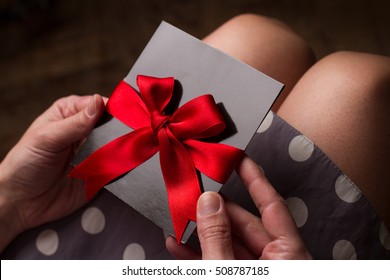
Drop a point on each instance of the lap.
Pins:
(334, 220)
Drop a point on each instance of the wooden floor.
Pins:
(53, 48)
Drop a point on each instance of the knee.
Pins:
(360, 72)
(252, 23)
(255, 20)
(280, 33)
(267, 33)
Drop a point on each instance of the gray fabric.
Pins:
(334, 219)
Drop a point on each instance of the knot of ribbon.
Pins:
(175, 137)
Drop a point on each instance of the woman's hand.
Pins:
(226, 231)
(34, 186)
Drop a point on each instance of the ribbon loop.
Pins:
(125, 104)
(176, 138)
(197, 119)
(155, 92)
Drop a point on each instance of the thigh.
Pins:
(342, 104)
(267, 45)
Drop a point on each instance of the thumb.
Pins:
(213, 227)
(77, 126)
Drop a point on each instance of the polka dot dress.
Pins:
(106, 228)
(334, 218)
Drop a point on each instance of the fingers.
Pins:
(213, 230)
(275, 215)
(258, 186)
(79, 119)
(213, 227)
(248, 228)
(240, 250)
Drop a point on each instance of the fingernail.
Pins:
(208, 204)
(261, 169)
(91, 107)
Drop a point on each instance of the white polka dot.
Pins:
(47, 242)
(266, 122)
(346, 190)
(134, 251)
(384, 236)
(300, 148)
(298, 210)
(93, 220)
(344, 250)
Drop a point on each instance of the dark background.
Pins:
(53, 48)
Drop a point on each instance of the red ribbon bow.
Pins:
(174, 136)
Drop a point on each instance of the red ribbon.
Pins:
(174, 136)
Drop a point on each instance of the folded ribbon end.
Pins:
(91, 186)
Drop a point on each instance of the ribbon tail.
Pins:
(217, 161)
(181, 181)
(115, 159)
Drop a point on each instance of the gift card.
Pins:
(200, 79)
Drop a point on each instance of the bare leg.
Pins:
(267, 45)
(342, 104)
